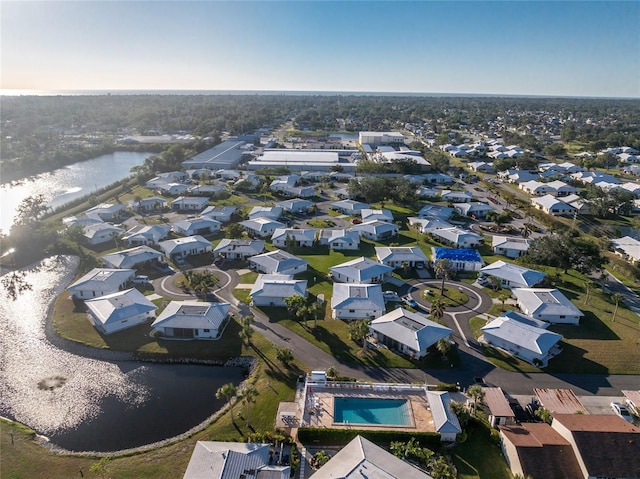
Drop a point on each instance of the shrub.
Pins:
(452, 388)
(334, 437)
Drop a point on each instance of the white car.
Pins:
(390, 296)
(631, 407)
(621, 411)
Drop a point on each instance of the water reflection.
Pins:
(86, 404)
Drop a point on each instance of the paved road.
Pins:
(474, 364)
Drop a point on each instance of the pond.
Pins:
(88, 404)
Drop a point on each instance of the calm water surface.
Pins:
(86, 404)
(68, 183)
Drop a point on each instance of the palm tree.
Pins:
(284, 355)
(588, 286)
(437, 308)
(443, 346)
(476, 393)
(526, 230)
(246, 330)
(443, 268)
(249, 397)
(227, 392)
(616, 299)
(358, 331)
(503, 297)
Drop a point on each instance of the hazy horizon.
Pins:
(584, 49)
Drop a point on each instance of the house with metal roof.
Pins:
(235, 249)
(278, 261)
(339, 239)
(509, 246)
(192, 320)
(146, 234)
(132, 258)
(444, 419)
(460, 259)
(559, 401)
(363, 457)
(360, 270)
(454, 196)
(443, 212)
(349, 207)
(294, 237)
(458, 237)
(261, 227)
(201, 225)
(107, 211)
(271, 212)
(273, 289)
(190, 203)
(99, 233)
(399, 256)
(295, 205)
(535, 187)
(427, 224)
(532, 344)
(369, 214)
(376, 230)
(408, 333)
(219, 213)
(227, 154)
(548, 305)
(152, 203)
(474, 209)
(500, 413)
(560, 188)
(510, 275)
(552, 205)
(627, 248)
(357, 301)
(183, 247)
(117, 311)
(101, 281)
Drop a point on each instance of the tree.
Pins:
(246, 331)
(284, 355)
(476, 393)
(443, 268)
(358, 331)
(544, 415)
(567, 250)
(461, 411)
(295, 302)
(504, 297)
(249, 394)
(526, 230)
(227, 392)
(588, 286)
(437, 308)
(617, 297)
(443, 346)
(30, 210)
(234, 231)
(495, 282)
(319, 459)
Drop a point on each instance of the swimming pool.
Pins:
(371, 411)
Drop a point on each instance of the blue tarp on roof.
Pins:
(457, 254)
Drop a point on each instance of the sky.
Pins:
(558, 48)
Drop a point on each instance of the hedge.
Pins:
(340, 437)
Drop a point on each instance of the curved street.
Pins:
(473, 362)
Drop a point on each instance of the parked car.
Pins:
(409, 301)
(631, 407)
(621, 411)
(141, 279)
(390, 296)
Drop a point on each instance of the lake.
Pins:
(84, 404)
(66, 184)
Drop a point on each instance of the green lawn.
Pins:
(249, 277)
(322, 224)
(478, 457)
(452, 297)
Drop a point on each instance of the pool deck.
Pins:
(319, 409)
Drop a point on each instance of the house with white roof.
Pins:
(445, 420)
(552, 206)
(107, 211)
(192, 320)
(510, 246)
(426, 225)
(183, 247)
(294, 237)
(628, 158)
(363, 455)
(228, 460)
(168, 188)
(426, 192)
(190, 203)
(153, 203)
(132, 258)
(277, 261)
(517, 176)
(357, 301)
(117, 311)
(408, 333)
(207, 190)
(201, 225)
(399, 256)
(632, 188)
(98, 233)
(438, 178)
(295, 205)
(510, 275)
(271, 212)
(454, 196)
(377, 230)
(443, 212)
(226, 174)
(560, 188)
(261, 227)
(146, 235)
(340, 239)
(349, 207)
(273, 289)
(579, 203)
(458, 237)
(360, 270)
(524, 341)
(460, 259)
(548, 305)
(627, 248)
(369, 214)
(481, 166)
(219, 213)
(475, 209)
(534, 187)
(101, 281)
(235, 249)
